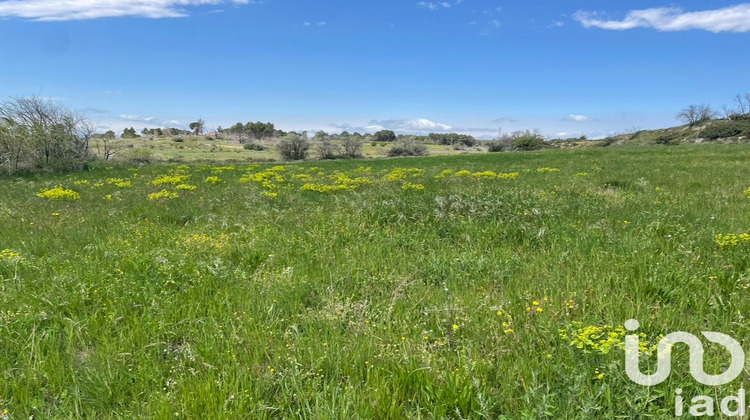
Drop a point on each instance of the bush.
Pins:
(496, 146)
(327, 150)
(726, 129)
(293, 147)
(254, 146)
(667, 139)
(178, 140)
(528, 143)
(407, 148)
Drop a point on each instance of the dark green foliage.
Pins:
(253, 146)
(495, 147)
(668, 139)
(385, 135)
(726, 129)
(129, 133)
(450, 139)
(526, 144)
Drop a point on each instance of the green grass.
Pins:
(199, 149)
(372, 302)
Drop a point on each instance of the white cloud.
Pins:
(438, 5)
(56, 10)
(415, 125)
(578, 118)
(136, 118)
(728, 19)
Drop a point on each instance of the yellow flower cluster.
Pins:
(170, 179)
(119, 182)
(213, 180)
(7, 255)
(582, 174)
(410, 186)
(462, 173)
(399, 174)
(444, 173)
(163, 195)
(547, 169)
(731, 239)
(323, 188)
(264, 178)
(82, 182)
(594, 338)
(602, 339)
(186, 187)
(202, 240)
(747, 193)
(507, 323)
(59, 193)
(536, 306)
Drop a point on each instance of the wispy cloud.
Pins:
(321, 23)
(136, 118)
(56, 10)
(578, 118)
(437, 5)
(415, 125)
(728, 19)
(505, 120)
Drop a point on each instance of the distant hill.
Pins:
(715, 131)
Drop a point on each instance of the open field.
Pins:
(190, 149)
(404, 288)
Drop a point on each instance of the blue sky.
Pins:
(567, 68)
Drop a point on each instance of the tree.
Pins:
(53, 134)
(128, 133)
(352, 146)
(294, 147)
(328, 150)
(198, 126)
(259, 130)
(385, 135)
(14, 144)
(694, 114)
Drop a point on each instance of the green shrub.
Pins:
(528, 143)
(293, 147)
(253, 146)
(726, 129)
(496, 146)
(667, 139)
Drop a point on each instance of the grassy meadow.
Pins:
(490, 286)
(208, 149)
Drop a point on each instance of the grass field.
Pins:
(407, 288)
(202, 149)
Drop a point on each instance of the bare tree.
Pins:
(693, 114)
(352, 146)
(52, 131)
(743, 103)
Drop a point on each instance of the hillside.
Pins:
(710, 131)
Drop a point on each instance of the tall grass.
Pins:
(256, 297)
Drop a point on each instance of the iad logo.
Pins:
(664, 357)
(703, 405)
